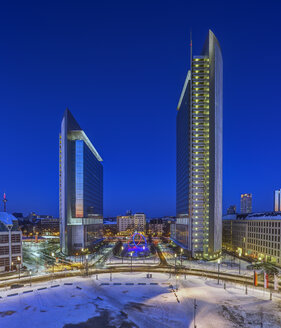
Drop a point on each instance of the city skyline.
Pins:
(40, 81)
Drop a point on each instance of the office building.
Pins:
(156, 227)
(246, 203)
(256, 235)
(128, 224)
(277, 200)
(10, 243)
(231, 209)
(80, 187)
(199, 154)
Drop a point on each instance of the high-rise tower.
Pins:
(246, 203)
(80, 187)
(199, 154)
(277, 200)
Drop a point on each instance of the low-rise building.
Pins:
(10, 242)
(256, 235)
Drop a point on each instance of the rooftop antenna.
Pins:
(191, 50)
(5, 201)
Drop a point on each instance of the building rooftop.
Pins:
(6, 220)
(254, 216)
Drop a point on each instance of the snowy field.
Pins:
(133, 300)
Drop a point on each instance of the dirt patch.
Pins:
(104, 320)
(6, 313)
(136, 306)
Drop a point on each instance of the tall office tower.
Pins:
(246, 203)
(277, 200)
(199, 154)
(81, 188)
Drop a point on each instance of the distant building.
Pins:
(199, 154)
(231, 209)
(129, 223)
(10, 242)
(277, 200)
(109, 227)
(156, 226)
(80, 188)
(49, 226)
(256, 235)
(18, 215)
(246, 203)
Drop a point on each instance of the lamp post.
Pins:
(82, 255)
(181, 256)
(175, 262)
(239, 263)
(219, 262)
(19, 260)
(52, 254)
(30, 277)
(122, 248)
(87, 264)
(177, 277)
(131, 261)
(143, 247)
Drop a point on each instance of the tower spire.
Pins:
(5, 201)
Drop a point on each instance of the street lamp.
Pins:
(181, 256)
(175, 262)
(219, 262)
(53, 254)
(239, 263)
(87, 264)
(131, 261)
(177, 277)
(122, 248)
(18, 258)
(30, 276)
(82, 255)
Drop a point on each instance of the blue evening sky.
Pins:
(120, 67)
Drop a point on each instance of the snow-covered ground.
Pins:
(133, 300)
(149, 261)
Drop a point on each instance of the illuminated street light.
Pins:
(239, 263)
(181, 256)
(18, 258)
(122, 248)
(87, 268)
(219, 262)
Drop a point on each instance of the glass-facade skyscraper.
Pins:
(246, 203)
(199, 154)
(80, 188)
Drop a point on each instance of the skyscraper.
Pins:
(277, 200)
(199, 154)
(80, 188)
(246, 203)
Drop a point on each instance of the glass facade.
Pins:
(79, 174)
(183, 150)
(199, 152)
(81, 188)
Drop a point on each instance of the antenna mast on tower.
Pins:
(5, 201)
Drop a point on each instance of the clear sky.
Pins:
(120, 67)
